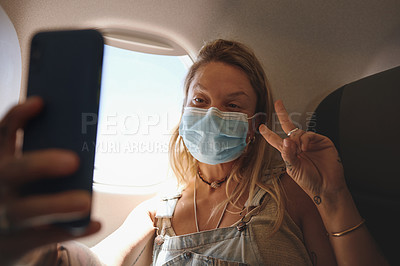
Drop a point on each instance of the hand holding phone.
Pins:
(65, 71)
(16, 236)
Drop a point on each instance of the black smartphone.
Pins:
(65, 71)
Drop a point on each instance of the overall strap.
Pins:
(166, 206)
(165, 211)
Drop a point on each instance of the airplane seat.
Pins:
(363, 120)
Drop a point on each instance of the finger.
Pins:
(306, 139)
(316, 140)
(18, 243)
(271, 137)
(15, 119)
(32, 165)
(283, 117)
(289, 154)
(43, 209)
(296, 138)
(60, 235)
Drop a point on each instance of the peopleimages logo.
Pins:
(127, 134)
(125, 147)
(134, 124)
(150, 133)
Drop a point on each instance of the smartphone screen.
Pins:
(65, 71)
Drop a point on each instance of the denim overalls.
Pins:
(233, 245)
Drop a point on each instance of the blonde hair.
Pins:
(255, 162)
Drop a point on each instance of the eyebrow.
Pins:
(200, 87)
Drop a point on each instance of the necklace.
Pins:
(215, 184)
(195, 209)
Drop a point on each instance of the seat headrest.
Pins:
(363, 120)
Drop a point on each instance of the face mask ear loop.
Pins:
(251, 117)
(252, 139)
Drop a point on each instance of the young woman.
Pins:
(235, 204)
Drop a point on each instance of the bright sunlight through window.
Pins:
(140, 104)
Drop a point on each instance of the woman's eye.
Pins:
(198, 100)
(232, 105)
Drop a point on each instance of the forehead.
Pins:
(223, 78)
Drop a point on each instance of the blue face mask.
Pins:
(213, 136)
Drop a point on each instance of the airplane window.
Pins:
(10, 64)
(140, 103)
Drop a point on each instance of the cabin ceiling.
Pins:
(308, 48)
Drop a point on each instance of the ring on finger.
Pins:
(5, 226)
(292, 131)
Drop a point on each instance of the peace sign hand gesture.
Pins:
(311, 159)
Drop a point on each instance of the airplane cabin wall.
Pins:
(308, 48)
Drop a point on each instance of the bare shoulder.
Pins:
(137, 230)
(145, 210)
(140, 217)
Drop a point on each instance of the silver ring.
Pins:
(4, 222)
(292, 131)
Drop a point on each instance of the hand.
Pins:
(311, 159)
(16, 169)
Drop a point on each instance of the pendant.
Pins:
(215, 185)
